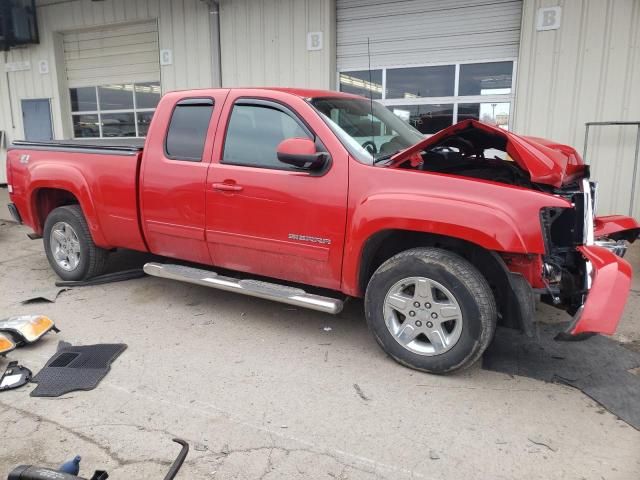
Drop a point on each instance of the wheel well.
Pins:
(384, 245)
(47, 199)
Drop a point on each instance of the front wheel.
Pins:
(69, 245)
(431, 310)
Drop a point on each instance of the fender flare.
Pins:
(70, 179)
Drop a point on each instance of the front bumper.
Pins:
(610, 280)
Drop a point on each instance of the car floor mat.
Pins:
(599, 366)
(75, 368)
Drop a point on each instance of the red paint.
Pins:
(547, 162)
(609, 291)
(611, 224)
(302, 227)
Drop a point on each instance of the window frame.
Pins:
(99, 111)
(283, 108)
(455, 99)
(192, 101)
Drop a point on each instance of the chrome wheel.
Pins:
(65, 246)
(423, 316)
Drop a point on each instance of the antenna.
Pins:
(371, 98)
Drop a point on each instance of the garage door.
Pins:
(408, 32)
(116, 54)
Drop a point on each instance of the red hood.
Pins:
(546, 161)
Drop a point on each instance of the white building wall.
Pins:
(587, 70)
(183, 26)
(264, 43)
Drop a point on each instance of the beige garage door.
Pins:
(115, 54)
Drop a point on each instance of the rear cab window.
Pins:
(187, 132)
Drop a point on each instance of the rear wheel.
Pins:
(69, 245)
(431, 310)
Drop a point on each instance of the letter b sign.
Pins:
(548, 18)
(314, 41)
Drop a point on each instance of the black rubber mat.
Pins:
(75, 368)
(598, 366)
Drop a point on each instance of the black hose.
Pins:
(101, 279)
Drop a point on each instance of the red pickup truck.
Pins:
(445, 237)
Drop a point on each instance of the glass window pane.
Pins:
(83, 99)
(362, 83)
(144, 119)
(492, 113)
(85, 126)
(188, 131)
(147, 95)
(485, 78)
(254, 133)
(425, 118)
(116, 97)
(118, 125)
(419, 82)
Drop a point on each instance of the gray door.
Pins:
(36, 118)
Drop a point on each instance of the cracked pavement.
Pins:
(262, 390)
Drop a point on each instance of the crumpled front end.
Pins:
(584, 270)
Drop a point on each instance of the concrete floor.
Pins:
(263, 390)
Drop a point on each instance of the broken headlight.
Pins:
(27, 328)
(6, 344)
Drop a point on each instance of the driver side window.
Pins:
(254, 133)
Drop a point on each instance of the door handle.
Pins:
(227, 187)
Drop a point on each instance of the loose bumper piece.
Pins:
(605, 300)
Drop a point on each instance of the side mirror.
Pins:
(301, 153)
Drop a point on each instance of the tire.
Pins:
(444, 285)
(69, 245)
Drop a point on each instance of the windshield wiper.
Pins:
(384, 157)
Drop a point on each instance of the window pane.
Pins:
(254, 134)
(188, 131)
(419, 82)
(360, 83)
(116, 97)
(485, 78)
(147, 95)
(83, 99)
(425, 118)
(492, 113)
(118, 125)
(144, 119)
(85, 126)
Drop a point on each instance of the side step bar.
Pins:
(254, 288)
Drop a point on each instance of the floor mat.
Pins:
(75, 368)
(598, 366)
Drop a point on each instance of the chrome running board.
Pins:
(254, 288)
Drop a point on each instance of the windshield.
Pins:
(367, 129)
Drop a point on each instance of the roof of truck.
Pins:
(310, 92)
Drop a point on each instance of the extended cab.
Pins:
(445, 237)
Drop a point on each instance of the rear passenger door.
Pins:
(266, 217)
(173, 177)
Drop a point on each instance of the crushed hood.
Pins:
(546, 161)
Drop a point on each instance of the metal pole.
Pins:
(635, 173)
(586, 142)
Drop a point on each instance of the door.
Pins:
(268, 218)
(173, 175)
(36, 119)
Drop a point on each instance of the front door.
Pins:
(36, 119)
(265, 217)
(173, 177)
